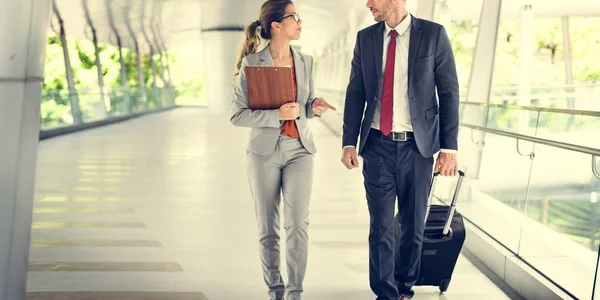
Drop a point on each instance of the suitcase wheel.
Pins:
(444, 284)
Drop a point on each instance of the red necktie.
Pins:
(387, 99)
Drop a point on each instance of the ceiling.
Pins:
(176, 22)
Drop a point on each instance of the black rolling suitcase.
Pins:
(444, 238)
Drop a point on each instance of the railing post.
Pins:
(482, 69)
(103, 98)
(73, 99)
(141, 79)
(126, 96)
(155, 97)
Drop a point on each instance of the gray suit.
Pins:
(265, 123)
(279, 164)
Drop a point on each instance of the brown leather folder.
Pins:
(269, 87)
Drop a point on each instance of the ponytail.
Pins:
(251, 43)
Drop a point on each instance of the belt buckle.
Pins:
(399, 136)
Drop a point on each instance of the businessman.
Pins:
(398, 63)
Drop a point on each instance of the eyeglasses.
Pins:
(296, 17)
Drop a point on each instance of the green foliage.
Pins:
(55, 98)
(548, 56)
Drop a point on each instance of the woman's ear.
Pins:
(276, 26)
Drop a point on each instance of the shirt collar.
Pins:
(401, 28)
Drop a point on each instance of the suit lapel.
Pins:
(413, 45)
(301, 72)
(378, 48)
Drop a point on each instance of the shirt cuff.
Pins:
(448, 151)
(348, 146)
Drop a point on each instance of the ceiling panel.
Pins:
(323, 20)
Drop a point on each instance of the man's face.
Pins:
(381, 9)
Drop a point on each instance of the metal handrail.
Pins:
(594, 152)
(595, 166)
(547, 142)
(537, 108)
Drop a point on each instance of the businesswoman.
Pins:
(281, 147)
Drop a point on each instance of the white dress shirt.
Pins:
(401, 113)
(401, 120)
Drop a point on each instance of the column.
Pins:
(566, 33)
(443, 15)
(104, 100)
(221, 50)
(125, 89)
(164, 96)
(526, 66)
(425, 9)
(142, 101)
(480, 83)
(171, 90)
(124, 84)
(154, 93)
(22, 53)
(73, 98)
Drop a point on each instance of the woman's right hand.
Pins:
(289, 111)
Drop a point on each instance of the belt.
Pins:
(393, 136)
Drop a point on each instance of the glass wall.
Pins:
(93, 103)
(540, 201)
(56, 106)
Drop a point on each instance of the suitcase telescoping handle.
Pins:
(452, 208)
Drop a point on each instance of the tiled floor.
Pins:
(161, 204)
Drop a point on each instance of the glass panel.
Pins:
(56, 107)
(90, 103)
(561, 229)
(573, 129)
(493, 194)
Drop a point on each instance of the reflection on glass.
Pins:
(596, 291)
(496, 200)
(79, 199)
(98, 179)
(54, 199)
(560, 235)
(51, 225)
(539, 201)
(113, 173)
(81, 210)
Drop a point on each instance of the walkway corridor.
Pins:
(161, 204)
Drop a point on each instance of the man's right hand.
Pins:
(289, 111)
(350, 158)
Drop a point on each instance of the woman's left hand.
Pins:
(320, 106)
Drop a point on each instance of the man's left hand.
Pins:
(320, 106)
(446, 164)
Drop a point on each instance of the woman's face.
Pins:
(291, 25)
